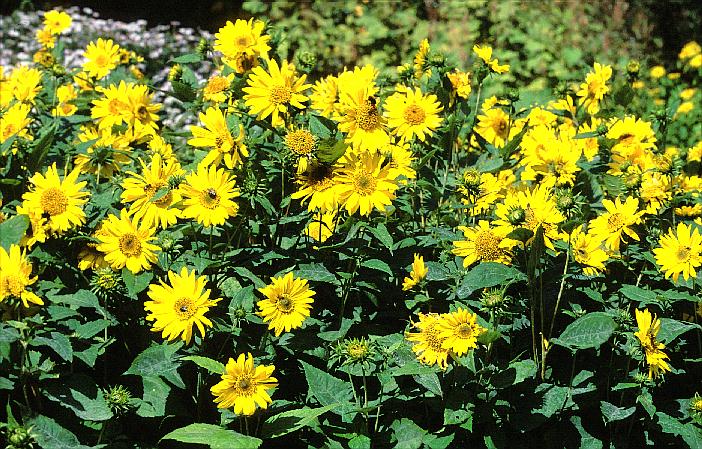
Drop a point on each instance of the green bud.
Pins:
(633, 67)
(203, 47)
(306, 61)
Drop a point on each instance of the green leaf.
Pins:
(41, 146)
(292, 420)
(321, 127)
(136, 283)
(407, 434)
(431, 382)
(315, 272)
(488, 274)
(80, 394)
(672, 329)
(377, 264)
(381, 233)
(213, 436)
(613, 413)
(587, 441)
(515, 373)
(58, 342)
(12, 230)
(160, 361)
(187, 58)
(327, 389)
(588, 331)
(642, 296)
(330, 150)
(210, 365)
(81, 298)
(50, 435)
(156, 393)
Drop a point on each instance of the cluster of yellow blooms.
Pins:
(376, 161)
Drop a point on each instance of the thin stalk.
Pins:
(560, 294)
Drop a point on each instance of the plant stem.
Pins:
(560, 294)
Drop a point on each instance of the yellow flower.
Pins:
(480, 191)
(483, 244)
(419, 272)
(400, 161)
(177, 307)
(459, 331)
(45, 38)
(25, 83)
(364, 184)
(16, 276)
(217, 87)
(428, 344)
(648, 330)
(410, 113)
(587, 252)
(89, 257)
(216, 135)
(244, 386)
(485, 53)
(616, 221)
(495, 127)
(317, 184)
(593, 90)
(57, 21)
(420, 58)
(321, 227)
(657, 72)
(357, 110)
(100, 58)
(141, 111)
(690, 50)
(139, 189)
(61, 199)
(324, 96)
(209, 196)
(680, 252)
(287, 304)
(112, 109)
(242, 38)
(126, 242)
(270, 93)
(688, 93)
(302, 144)
(460, 84)
(106, 155)
(14, 121)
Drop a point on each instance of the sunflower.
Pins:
(216, 135)
(484, 52)
(496, 127)
(112, 108)
(322, 226)
(364, 184)
(14, 121)
(106, 155)
(428, 344)
(244, 385)
(419, 271)
(61, 199)
(616, 221)
(25, 83)
(16, 276)
(208, 196)
(287, 304)
(140, 189)
(411, 113)
(141, 111)
(44, 37)
(175, 308)
(57, 21)
(460, 85)
(125, 242)
(359, 118)
(271, 93)
(324, 96)
(483, 244)
(680, 252)
(587, 252)
(595, 87)
(459, 331)
(317, 183)
(420, 59)
(647, 333)
(217, 87)
(242, 38)
(100, 58)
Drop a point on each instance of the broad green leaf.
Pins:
(377, 264)
(315, 272)
(58, 342)
(81, 298)
(210, 365)
(613, 413)
(136, 283)
(488, 274)
(407, 434)
(158, 360)
(80, 394)
(50, 435)
(292, 420)
(327, 389)
(587, 441)
(672, 329)
(12, 230)
(156, 392)
(188, 58)
(213, 436)
(588, 331)
(380, 231)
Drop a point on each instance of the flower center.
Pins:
(280, 94)
(364, 183)
(432, 338)
(242, 41)
(683, 253)
(115, 106)
(284, 304)
(301, 142)
(216, 84)
(615, 222)
(367, 117)
(530, 220)
(101, 60)
(185, 308)
(130, 245)
(13, 284)
(143, 113)
(414, 115)
(210, 198)
(501, 128)
(54, 201)
(245, 385)
(487, 246)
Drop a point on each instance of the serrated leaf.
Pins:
(672, 329)
(58, 342)
(488, 274)
(210, 365)
(588, 331)
(213, 436)
(136, 283)
(158, 360)
(380, 231)
(613, 413)
(327, 389)
(315, 272)
(50, 435)
(156, 392)
(407, 434)
(188, 58)
(80, 394)
(12, 231)
(377, 264)
(292, 420)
